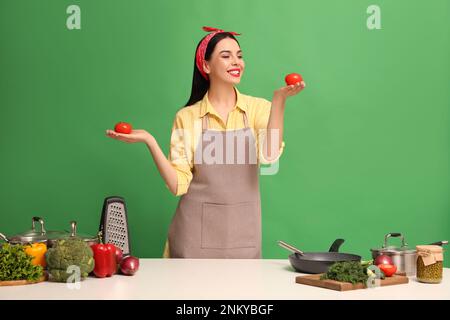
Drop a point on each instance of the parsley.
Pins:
(351, 271)
(15, 264)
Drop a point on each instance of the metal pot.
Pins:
(48, 237)
(90, 240)
(403, 257)
(29, 236)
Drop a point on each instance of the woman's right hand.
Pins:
(133, 137)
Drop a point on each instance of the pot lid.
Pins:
(28, 237)
(43, 235)
(54, 235)
(73, 233)
(32, 235)
(395, 250)
(403, 249)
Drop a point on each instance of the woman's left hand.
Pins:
(290, 90)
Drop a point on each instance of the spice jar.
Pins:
(429, 263)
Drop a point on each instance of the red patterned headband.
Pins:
(200, 54)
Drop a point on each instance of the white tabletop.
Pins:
(194, 279)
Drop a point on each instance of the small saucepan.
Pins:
(317, 262)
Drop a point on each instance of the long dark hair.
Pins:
(199, 84)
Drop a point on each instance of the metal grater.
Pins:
(114, 223)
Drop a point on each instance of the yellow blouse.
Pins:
(188, 124)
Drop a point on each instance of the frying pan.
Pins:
(317, 262)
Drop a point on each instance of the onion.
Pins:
(119, 255)
(129, 265)
(383, 259)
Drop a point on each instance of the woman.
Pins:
(218, 141)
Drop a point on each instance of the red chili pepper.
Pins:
(105, 259)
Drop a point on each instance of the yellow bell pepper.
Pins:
(37, 250)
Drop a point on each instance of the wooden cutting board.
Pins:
(314, 280)
(22, 282)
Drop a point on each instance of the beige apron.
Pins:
(220, 215)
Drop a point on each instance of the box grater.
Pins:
(114, 223)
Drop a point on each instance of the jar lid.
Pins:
(429, 248)
(430, 254)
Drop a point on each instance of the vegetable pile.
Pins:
(385, 264)
(349, 271)
(66, 253)
(109, 260)
(15, 264)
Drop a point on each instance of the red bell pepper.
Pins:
(105, 259)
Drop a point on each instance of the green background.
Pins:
(367, 142)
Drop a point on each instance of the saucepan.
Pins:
(45, 236)
(317, 262)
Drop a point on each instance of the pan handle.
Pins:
(289, 247)
(336, 245)
(440, 243)
(3, 237)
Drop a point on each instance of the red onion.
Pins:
(383, 259)
(119, 255)
(129, 265)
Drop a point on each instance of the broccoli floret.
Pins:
(66, 253)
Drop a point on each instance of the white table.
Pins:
(193, 279)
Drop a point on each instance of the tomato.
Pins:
(388, 269)
(123, 127)
(293, 78)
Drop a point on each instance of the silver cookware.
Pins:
(29, 236)
(40, 234)
(403, 257)
(89, 239)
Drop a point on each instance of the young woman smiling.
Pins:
(219, 212)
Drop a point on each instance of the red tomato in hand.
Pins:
(293, 78)
(123, 127)
(388, 269)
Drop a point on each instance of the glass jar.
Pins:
(430, 259)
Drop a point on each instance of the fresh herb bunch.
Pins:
(15, 264)
(351, 271)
